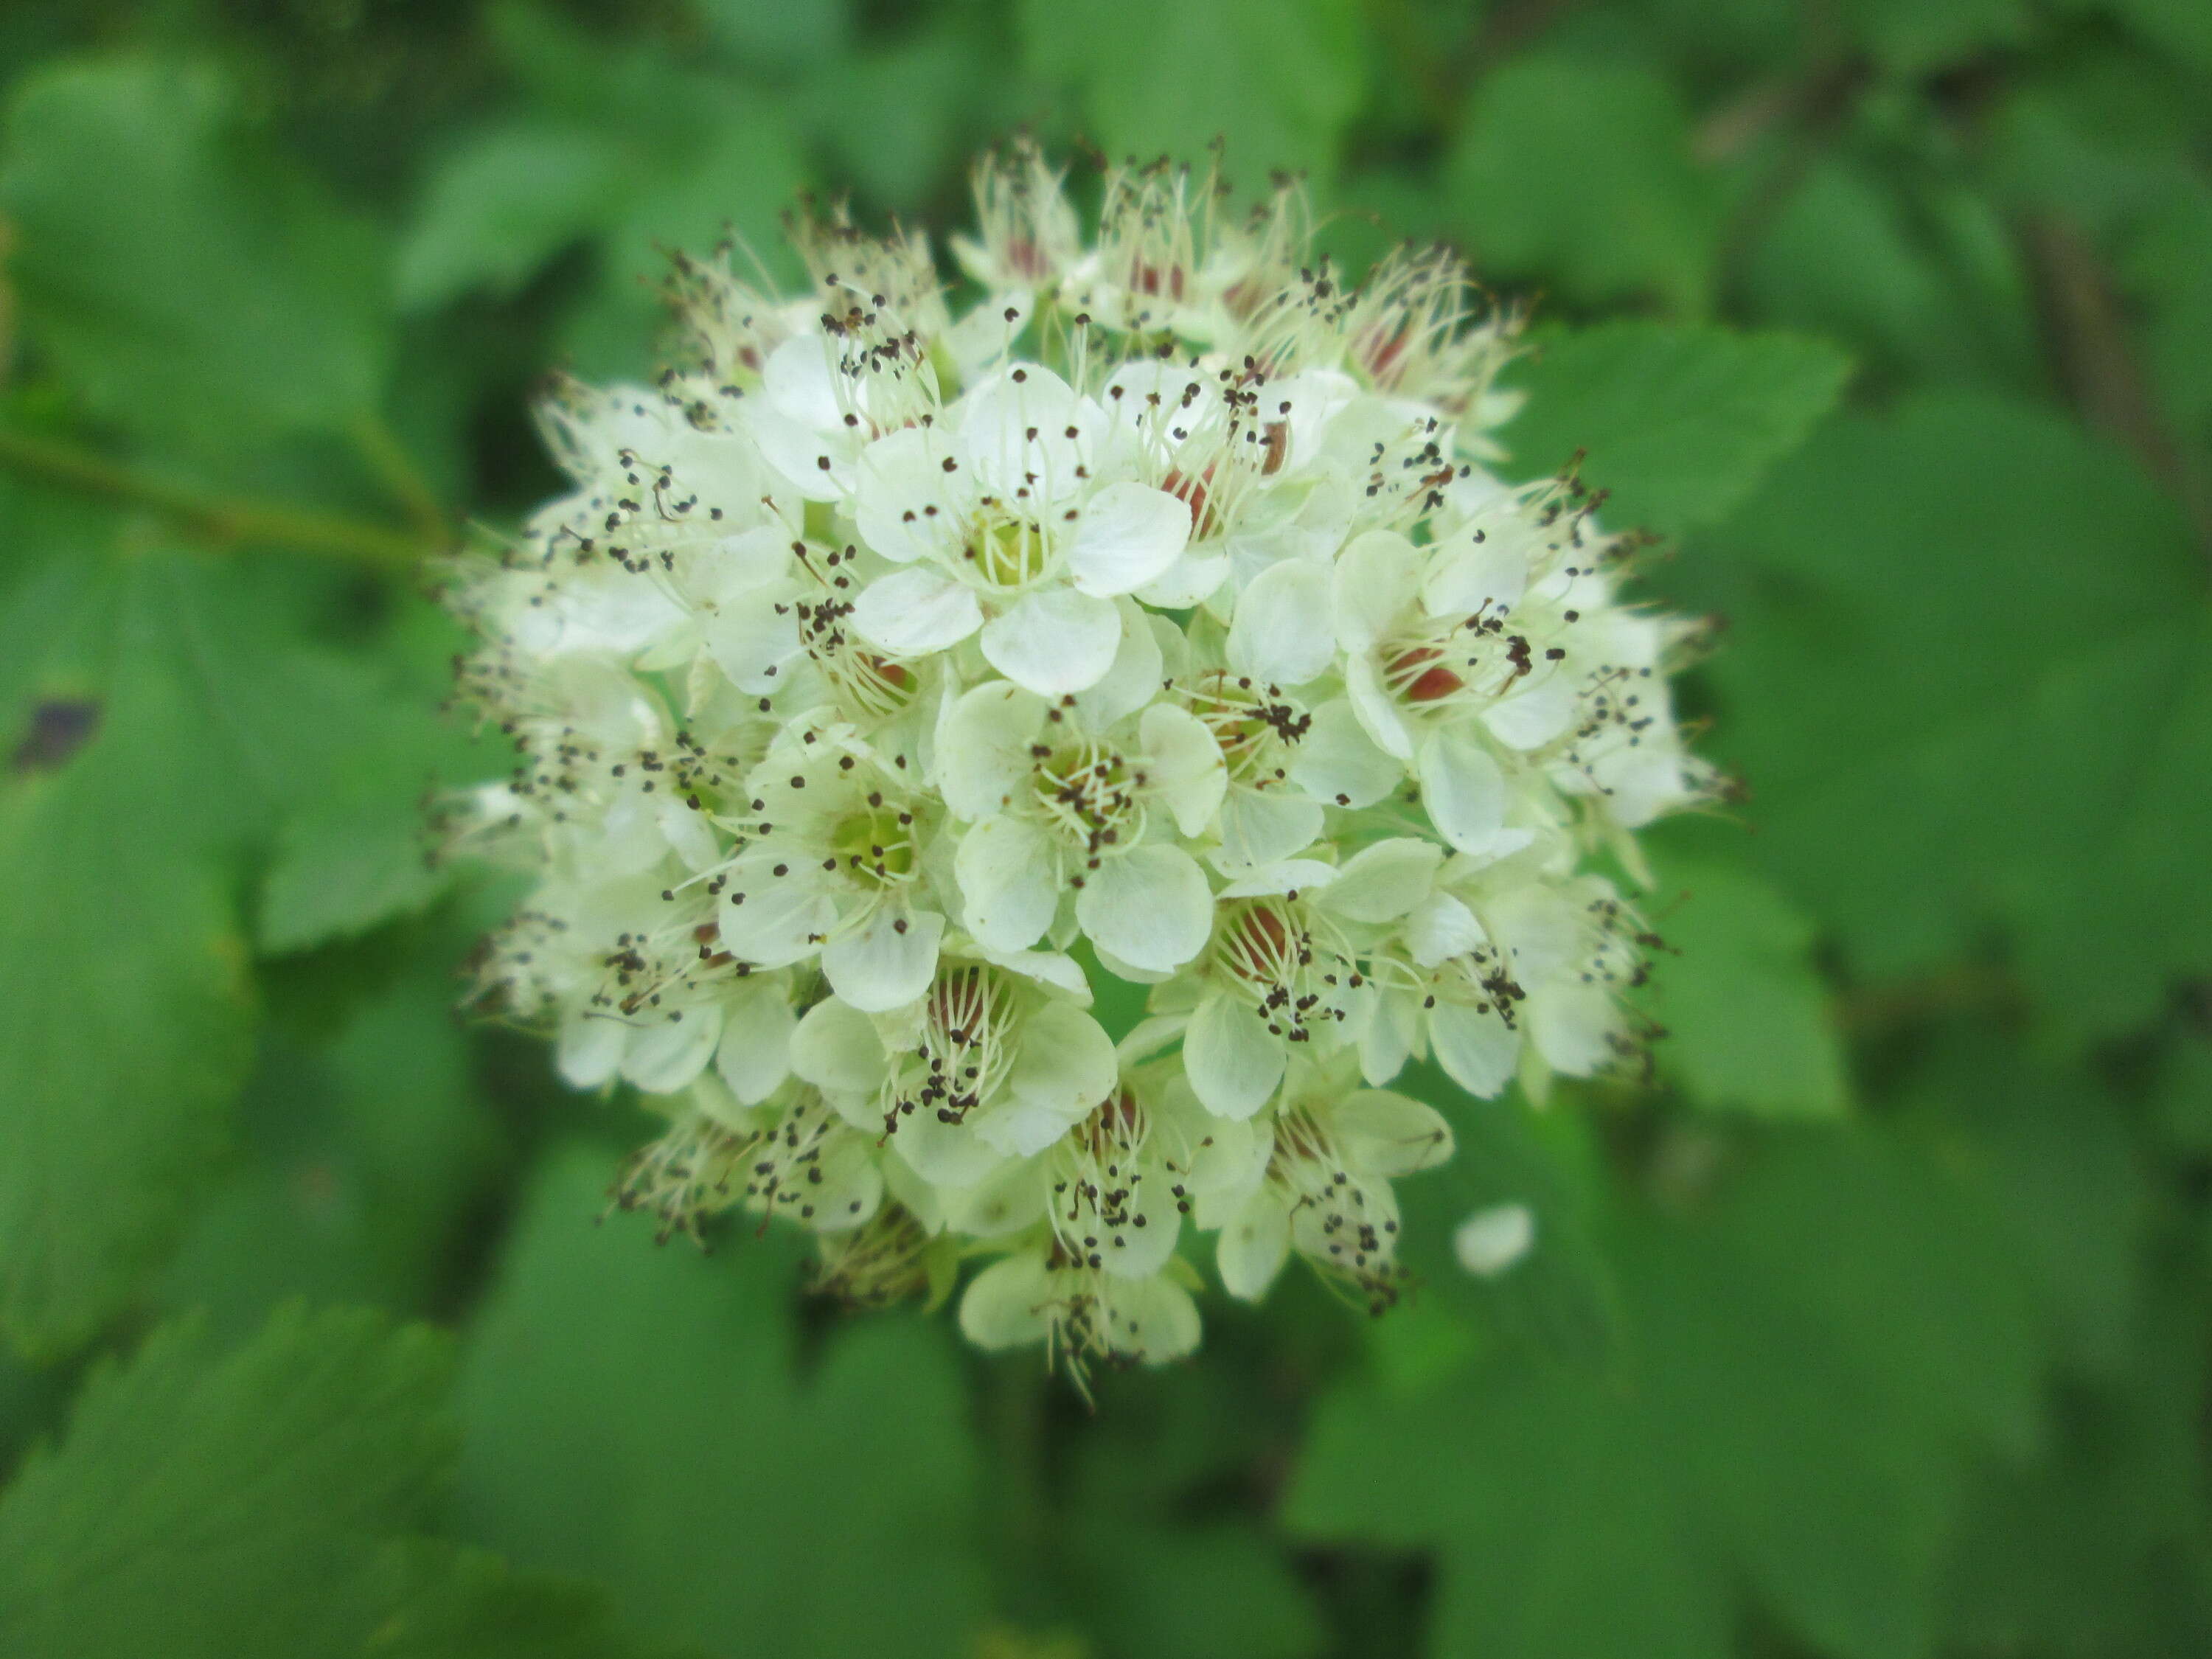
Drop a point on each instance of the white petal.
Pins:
(1283, 633)
(1150, 906)
(1477, 577)
(1491, 1241)
(1184, 763)
(835, 1048)
(1382, 882)
(1388, 1135)
(1009, 873)
(750, 641)
(1153, 1318)
(1259, 827)
(903, 503)
(1531, 719)
(1465, 790)
(888, 960)
(1339, 764)
(1441, 928)
(943, 1154)
(1188, 581)
(1133, 681)
(754, 1056)
(1287, 876)
(1574, 1026)
(1129, 534)
(983, 748)
(1253, 1246)
(1375, 578)
(1386, 1042)
(1233, 1061)
(670, 1052)
(1054, 641)
(1065, 1067)
(1477, 1050)
(1008, 1200)
(997, 419)
(1009, 1304)
(916, 612)
(1377, 711)
(776, 920)
(590, 1051)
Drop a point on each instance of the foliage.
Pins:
(1873, 1327)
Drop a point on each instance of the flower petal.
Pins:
(1233, 1061)
(674, 1048)
(1253, 1247)
(1259, 827)
(887, 962)
(1376, 577)
(903, 503)
(1465, 790)
(1283, 632)
(835, 1048)
(983, 748)
(754, 1056)
(1478, 1050)
(1184, 763)
(1009, 873)
(1128, 535)
(1009, 1302)
(916, 612)
(1054, 641)
(1339, 764)
(1383, 882)
(1150, 906)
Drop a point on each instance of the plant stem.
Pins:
(222, 521)
(395, 470)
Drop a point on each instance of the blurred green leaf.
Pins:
(263, 1501)
(365, 1156)
(1278, 81)
(1978, 690)
(501, 204)
(1579, 172)
(1217, 1592)
(1561, 1301)
(183, 278)
(1817, 1367)
(1911, 37)
(790, 33)
(627, 1408)
(129, 1031)
(1679, 424)
(1749, 1025)
(224, 1506)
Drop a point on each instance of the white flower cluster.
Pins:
(889, 669)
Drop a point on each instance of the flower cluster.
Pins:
(890, 669)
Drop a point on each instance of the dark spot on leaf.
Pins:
(59, 727)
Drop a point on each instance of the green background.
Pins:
(1876, 1327)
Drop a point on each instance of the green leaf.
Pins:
(1678, 424)
(1749, 1025)
(1816, 1369)
(1579, 173)
(183, 281)
(626, 1407)
(226, 1505)
(1277, 80)
(501, 204)
(366, 1155)
(167, 723)
(1970, 680)
(130, 1032)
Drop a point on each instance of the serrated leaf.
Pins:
(626, 1407)
(1970, 680)
(219, 1506)
(1815, 1369)
(1677, 424)
(185, 282)
(1577, 171)
(1749, 1021)
(502, 203)
(1276, 80)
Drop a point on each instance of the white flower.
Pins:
(883, 673)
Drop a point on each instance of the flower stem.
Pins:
(214, 519)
